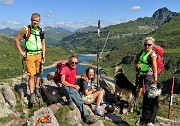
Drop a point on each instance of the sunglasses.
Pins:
(147, 44)
(74, 62)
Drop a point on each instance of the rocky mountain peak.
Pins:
(163, 15)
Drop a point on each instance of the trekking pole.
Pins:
(23, 68)
(98, 54)
(136, 91)
(171, 97)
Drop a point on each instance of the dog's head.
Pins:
(118, 69)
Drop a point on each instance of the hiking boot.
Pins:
(88, 120)
(98, 111)
(150, 124)
(38, 92)
(72, 106)
(32, 98)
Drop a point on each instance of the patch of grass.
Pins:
(109, 123)
(61, 115)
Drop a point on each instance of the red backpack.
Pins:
(159, 51)
(160, 62)
(59, 67)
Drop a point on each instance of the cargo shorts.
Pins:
(88, 99)
(33, 63)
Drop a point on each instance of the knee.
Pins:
(31, 77)
(102, 92)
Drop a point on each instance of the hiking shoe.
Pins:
(32, 98)
(88, 120)
(72, 106)
(37, 91)
(98, 111)
(150, 124)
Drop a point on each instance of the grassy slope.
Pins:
(10, 63)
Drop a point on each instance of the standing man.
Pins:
(34, 52)
(68, 78)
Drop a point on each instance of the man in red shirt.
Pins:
(68, 79)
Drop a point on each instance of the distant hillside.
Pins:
(55, 35)
(87, 29)
(121, 33)
(8, 31)
(10, 63)
(52, 35)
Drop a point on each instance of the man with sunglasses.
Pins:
(68, 79)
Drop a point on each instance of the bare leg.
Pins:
(98, 96)
(31, 83)
(37, 81)
(139, 92)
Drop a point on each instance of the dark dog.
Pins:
(124, 88)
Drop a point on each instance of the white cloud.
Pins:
(7, 1)
(135, 8)
(69, 25)
(74, 25)
(49, 14)
(10, 24)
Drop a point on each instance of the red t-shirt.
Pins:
(70, 74)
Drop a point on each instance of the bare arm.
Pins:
(154, 68)
(17, 40)
(136, 62)
(64, 82)
(43, 50)
(89, 92)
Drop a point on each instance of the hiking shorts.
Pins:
(33, 64)
(88, 99)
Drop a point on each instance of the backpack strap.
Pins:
(26, 36)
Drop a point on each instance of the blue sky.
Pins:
(74, 14)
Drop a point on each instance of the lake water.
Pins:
(80, 68)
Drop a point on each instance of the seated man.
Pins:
(68, 78)
(89, 93)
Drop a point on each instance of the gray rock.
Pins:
(9, 95)
(98, 123)
(5, 110)
(44, 111)
(2, 100)
(50, 76)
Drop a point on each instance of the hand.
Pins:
(43, 61)
(138, 66)
(84, 78)
(76, 87)
(23, 54)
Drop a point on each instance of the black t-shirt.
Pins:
(86, 85)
